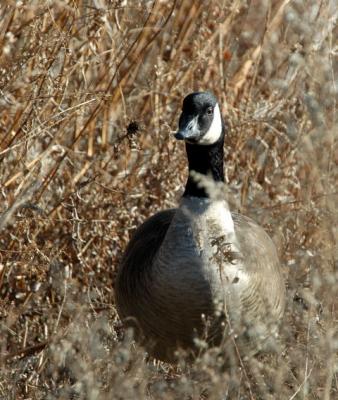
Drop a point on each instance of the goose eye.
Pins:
(210, 110)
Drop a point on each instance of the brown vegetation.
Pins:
(90, 92)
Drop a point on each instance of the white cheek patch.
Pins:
(215, 129)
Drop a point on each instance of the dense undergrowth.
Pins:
(90, 93)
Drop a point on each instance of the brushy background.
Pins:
(90, 93)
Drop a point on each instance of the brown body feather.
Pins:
(166, 310)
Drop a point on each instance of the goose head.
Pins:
(200, 122)
(202, 128)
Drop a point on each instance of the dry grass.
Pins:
(90, 91)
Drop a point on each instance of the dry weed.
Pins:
(90, 91)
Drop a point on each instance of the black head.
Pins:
(201, 121)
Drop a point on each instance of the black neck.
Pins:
(205, 160)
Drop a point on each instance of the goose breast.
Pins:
(207, 271)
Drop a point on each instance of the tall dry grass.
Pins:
(90, 92)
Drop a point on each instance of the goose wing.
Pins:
(135, 268)
(264, 297)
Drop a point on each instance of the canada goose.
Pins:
(200, 269)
